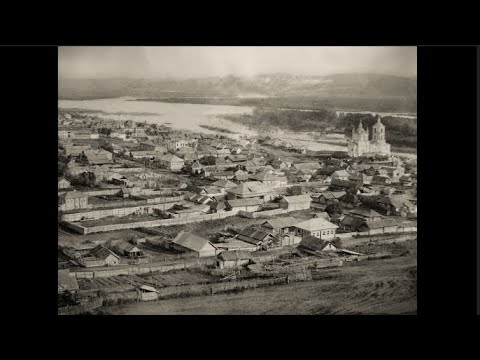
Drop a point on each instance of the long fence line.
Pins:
(82, 229)
(122, 211)
(179, 263)
(170, 292)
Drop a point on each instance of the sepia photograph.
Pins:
(237, 180)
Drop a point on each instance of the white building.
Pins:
(360, 145)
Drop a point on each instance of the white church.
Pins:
(360, 145)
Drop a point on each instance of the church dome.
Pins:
(378, 124)
(360, 128)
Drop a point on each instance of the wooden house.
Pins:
(313, 245)
(293, 203)
(257, 237)
(190, 243)
(250, 205)
(317, 227)
(63, 183)
(73, 200)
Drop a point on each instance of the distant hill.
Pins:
(267, 84)
(342, 90)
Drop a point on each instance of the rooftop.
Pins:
(191, 241)
(316, 224)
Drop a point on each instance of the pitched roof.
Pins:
(340, 173)
(365, 212)
(266, 176)
(250, 187)
(315, 244)
(316, 224)
(102, 252)
(253, 236)
(148, 288)
(323, 215)
(377, 224)
(243, 202)
(217, 205)
(396, 201)
(170, 158)
(280, 223)
(126, 246)
(210, 189)
(224, 184)
(191, 241)
(333, 194)
(297, 199)
(352, 221)
(307, 166)
(73, 195)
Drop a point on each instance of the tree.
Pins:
(86, 178)
(105, 131)
(208, 160)
(339, 155)
(62, 168)
(294, 190)
(106, 145)
(334, 209)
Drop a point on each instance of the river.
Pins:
(191, 116)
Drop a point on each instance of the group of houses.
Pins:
(367, 197)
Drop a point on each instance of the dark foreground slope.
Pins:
(386, 286)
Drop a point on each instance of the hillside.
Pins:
(341, 90)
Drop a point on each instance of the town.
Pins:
(147, 212)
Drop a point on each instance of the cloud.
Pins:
(182, 62)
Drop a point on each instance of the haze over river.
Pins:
(190, 117)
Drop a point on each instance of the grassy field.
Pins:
(386, 286)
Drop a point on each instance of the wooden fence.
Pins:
(80, 309)
(77, 226)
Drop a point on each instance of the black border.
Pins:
(446, 109)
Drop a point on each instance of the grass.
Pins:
(70, 238)
(111, 220)
(386, 286)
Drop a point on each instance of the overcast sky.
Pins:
(183, 62)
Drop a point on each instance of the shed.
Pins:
(148, 293)
(230, 259)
